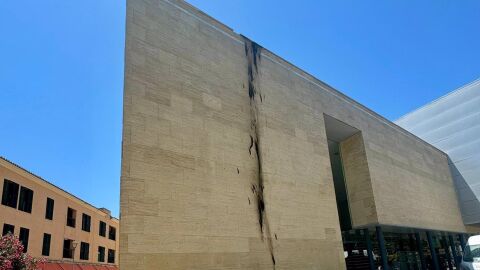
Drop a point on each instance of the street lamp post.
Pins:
(74, 246)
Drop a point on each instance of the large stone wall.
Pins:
(225, 159)
(452, 123)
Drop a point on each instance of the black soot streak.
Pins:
(251, 145)
(253, 54)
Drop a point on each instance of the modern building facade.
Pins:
(54, 224)
(452, 123)
(234, 158)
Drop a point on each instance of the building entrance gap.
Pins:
(375, 246)
(338, 131)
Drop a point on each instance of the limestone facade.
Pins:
(225, 158)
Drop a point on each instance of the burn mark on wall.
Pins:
(252, 51)
(251, 145)
(253, 54)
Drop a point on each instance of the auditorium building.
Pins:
(234, 158)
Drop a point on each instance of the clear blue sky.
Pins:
(61, 69)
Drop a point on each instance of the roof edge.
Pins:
(431, 103)
(227, 31)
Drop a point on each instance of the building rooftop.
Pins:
(440, 99)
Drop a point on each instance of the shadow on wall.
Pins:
(469, 203)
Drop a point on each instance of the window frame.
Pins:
(47, 238)
(102, 229)
(70, 250)
(25, 199)
(114, 238)
(86, 222)
(71, 221)
(5, 226)
(23, 237)
(49, 208)
(108, 256)
(101, 254)
(84, 251)
(7, 196)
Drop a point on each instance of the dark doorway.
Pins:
(339, 185)
(338, 131)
